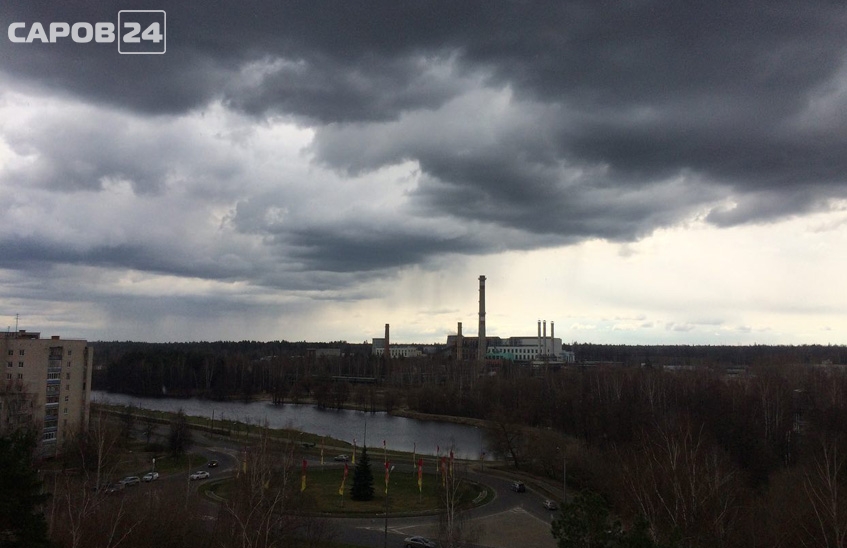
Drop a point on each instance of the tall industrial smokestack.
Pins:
(481, 334)
(552, 338)
(538, 340)
(387, 349)
(545, 337)
(459, 343)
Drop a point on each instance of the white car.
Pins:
(199, 474)
(150, 476)
(341, 458)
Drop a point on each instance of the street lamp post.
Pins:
(387, 479)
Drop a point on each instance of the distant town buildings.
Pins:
(47, 385)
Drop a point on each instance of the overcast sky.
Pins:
(637, 172)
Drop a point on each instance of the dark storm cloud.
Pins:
(618, 118)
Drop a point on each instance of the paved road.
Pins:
(511, 519)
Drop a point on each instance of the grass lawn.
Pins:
(404, 497)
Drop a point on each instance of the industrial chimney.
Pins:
(481, 335)
(545, 337)
(459, 343)
(538, 340)
(552, 338)
(387, 351)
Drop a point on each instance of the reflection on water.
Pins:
(399, 433)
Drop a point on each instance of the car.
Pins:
(199, 474)
(130, 480)
(212, 464)
(419, 542)
(341, 458)
(518, 487)
(114, 488)
(150, 476)
(550, 505)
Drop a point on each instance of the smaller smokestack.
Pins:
(459, 343)
(387, 350)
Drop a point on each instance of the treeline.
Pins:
(704, 459)
(709, 355)
(226, 370)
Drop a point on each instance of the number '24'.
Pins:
(151, 34)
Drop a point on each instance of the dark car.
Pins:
(114, 488)
(518, 487)
(419, 542)
(212, 464)
(550, 505)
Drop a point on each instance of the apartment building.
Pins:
(47, 384)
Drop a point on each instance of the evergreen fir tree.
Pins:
(363, 478)
(22, 523)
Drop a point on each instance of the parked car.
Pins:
(420, 542)
(130, 480)
(199, 474)
(518, 487)
(341, 458)
(212, 464)
(550, 505)
(150, 476)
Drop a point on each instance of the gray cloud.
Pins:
(531, 126)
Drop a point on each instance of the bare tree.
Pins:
(454, 529)
(264, 508)
(682, 484)
(821, 484)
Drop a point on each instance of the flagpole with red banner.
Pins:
(343, 481)
(303, 478)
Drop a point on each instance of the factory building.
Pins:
(482, 348)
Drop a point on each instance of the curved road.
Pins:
(511, 519)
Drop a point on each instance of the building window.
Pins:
(68, 387)
(22, 352)
(20, 376)
(69, 352)
(66, 398)
(20, 364)
(69, 364)
(8, 376)
(49, 436)
(68, 376)
(8, 364)
(65, 412)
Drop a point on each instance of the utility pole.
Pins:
(387, 478)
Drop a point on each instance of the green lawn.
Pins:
(404, 497)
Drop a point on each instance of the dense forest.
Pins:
(707, 446)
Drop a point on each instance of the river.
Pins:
(399, 433)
